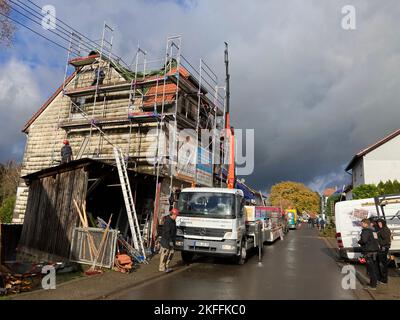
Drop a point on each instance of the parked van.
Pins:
(348, 215)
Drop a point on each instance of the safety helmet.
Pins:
(175, 212)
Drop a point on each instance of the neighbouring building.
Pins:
(378, 162)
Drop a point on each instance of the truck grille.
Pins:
(205, 232)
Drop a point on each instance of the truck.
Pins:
(292, 218)
(348, 216)
(216, 222)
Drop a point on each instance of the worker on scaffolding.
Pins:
(99, 76)
(66, 152)
(168, 241)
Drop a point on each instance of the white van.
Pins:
(349, 214)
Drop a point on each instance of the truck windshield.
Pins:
(204, 204)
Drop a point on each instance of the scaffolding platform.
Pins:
(84, 91)
(83, 61)
(136, 117)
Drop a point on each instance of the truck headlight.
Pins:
(227, 247)
(228, 235)
(179, 232)
(179, 243)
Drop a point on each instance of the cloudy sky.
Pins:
(314, 93)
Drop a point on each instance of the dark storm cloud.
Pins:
(314, 93)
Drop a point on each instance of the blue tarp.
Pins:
(248, 195)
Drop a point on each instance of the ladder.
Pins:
(129, 204)
(82, 148)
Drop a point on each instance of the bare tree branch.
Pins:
(7, 28)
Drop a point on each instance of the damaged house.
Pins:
(104, 104)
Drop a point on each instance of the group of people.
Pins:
(319, 221)
(375, 241)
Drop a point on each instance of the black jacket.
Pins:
(384, 237)
(368, 241)
(66, 151)
(168, 234)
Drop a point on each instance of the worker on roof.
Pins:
(66, 152)
(98, 73)
(168, 241)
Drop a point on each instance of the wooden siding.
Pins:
(51, 215)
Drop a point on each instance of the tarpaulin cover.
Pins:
(248, 195)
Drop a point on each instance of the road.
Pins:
(299, 267)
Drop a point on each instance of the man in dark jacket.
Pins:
(370, 247)
(66, 152)
(168, 237)
(385, 239)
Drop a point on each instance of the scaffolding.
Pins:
(153, 99)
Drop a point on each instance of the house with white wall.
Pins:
(378, 162)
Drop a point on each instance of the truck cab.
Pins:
(211, 222)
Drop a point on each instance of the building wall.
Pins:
(358, 173)
(383, 163)
(47, 132)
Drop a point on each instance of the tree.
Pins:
(6, 210)
(330, 204)
(9, 179)
(7, 28)
(370, 190)
(365, 191)
(294, 194)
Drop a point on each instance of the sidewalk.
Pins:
(391, 291)
(100, 286)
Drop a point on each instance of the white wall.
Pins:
(383, 163)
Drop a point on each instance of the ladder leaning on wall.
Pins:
(128, 199)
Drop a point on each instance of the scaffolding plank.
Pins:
(83, 61)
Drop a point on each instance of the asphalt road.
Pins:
(299, 267)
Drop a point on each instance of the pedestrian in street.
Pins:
(384, 239)
(322, 224)
(66, 152)
(310, 223)
(370, 247)
(168, 236)
(318, 224)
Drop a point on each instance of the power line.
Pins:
(40, 17)
(38, 23)
(89, 41)
(37, 33)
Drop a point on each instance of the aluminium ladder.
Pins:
(129, 203)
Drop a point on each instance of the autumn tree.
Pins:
(296, 195)
(9, 179)
(7, 28)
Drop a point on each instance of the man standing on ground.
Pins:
(66, 152)
(322, 224)
(168, 241)
(384, 238)
(370, 247)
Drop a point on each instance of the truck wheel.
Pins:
(241, 259)
(187, 257)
